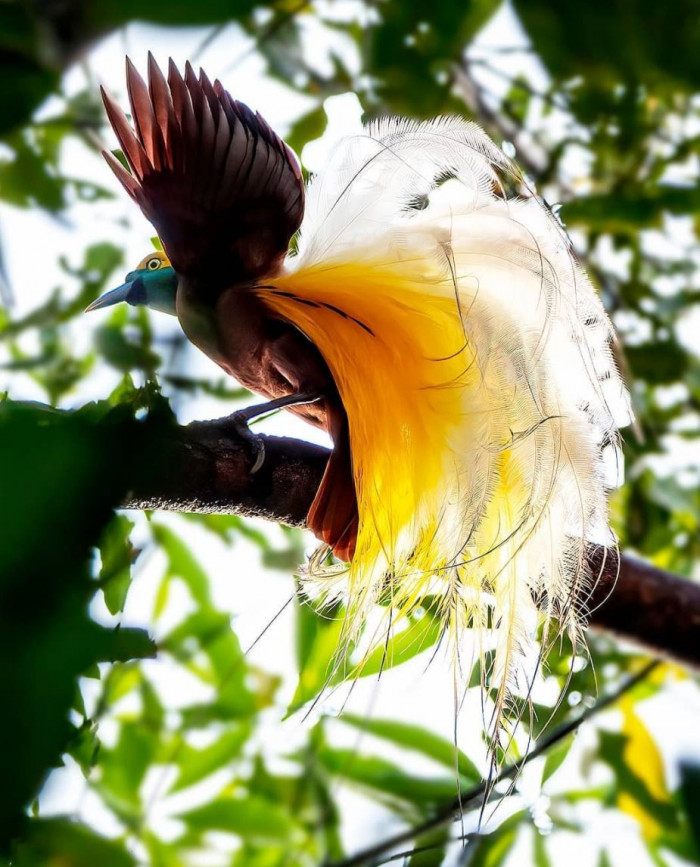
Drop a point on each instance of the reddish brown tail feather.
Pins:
(333, 514)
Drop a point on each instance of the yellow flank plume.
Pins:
(395, 343)
(397, 378)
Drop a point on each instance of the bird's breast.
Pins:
(257, 347)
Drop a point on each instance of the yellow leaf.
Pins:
(644, 760)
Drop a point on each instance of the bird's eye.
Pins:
(153, 264)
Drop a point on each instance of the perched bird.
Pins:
(431, 318)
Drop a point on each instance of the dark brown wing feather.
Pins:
(223, 191)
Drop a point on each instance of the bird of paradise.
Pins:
(432, 319)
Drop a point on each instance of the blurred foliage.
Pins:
(608, 128)
(46, 636)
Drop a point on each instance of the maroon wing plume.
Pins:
(223, 191)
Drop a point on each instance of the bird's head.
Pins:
(153, 283)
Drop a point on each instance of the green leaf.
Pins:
(70, 844)
(539, 853)
(386, 781)
(123, 643)
(318, 637)
(161, 598)
(152, 712)
(690, 799)
(659, 362)
(666, 492)
(430, 848)
(556, 757)
(310, 126)
(26, 180)
(84, 747)
(418, 739)
(160, 853)
(122, 353)
(491, 850)
(480, 670)
(120, 681)
(517, 101)
(261, 855)
(196, 764)
(307, 795)
(123, 769)
(210, 633)
(116, 590)
(604, 860)
(182, 564)
(250, 817)
(422, 630)
(117, 555)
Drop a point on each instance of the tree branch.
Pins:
(206, 470)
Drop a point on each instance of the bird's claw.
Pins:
(238, 423)
(258, 445)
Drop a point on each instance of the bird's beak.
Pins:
(114, 296)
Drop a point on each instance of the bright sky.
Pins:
(240, 585)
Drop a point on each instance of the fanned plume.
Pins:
(473, 360)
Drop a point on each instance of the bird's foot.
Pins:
(237, 423)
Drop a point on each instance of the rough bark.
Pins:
(208, 471)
